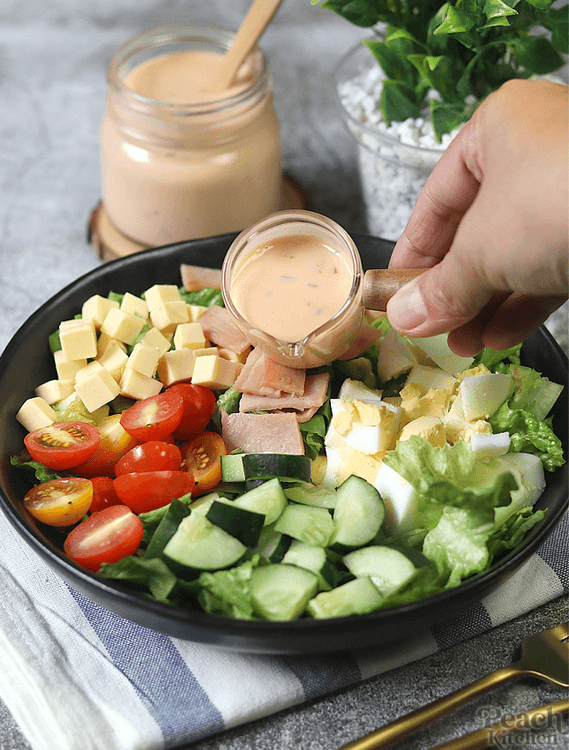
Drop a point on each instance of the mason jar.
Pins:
(176, 168)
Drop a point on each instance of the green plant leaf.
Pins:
(446, 117)
(498, 9)
(537, 54)
(398, 102)
(455, 22)
(359, 12)
(493, 22)
(558, 22)
(392, 55)
(540, 4)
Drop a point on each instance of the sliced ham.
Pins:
(219, 327)
(195, 278)
(262, 433)
(314, 396)
(365, 336)
(262, 376)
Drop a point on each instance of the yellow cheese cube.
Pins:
(67, 369)
(105, 341)
(135, 385)
(35, 413)
(122, 326)
(214, 372)
(91, 369)
(97, 389)
(96, 308)
(168, 316)
(208, 350)
(144, 359)
(160, 293)
(78, 339)
(114, 360)
(234, 356)
(190, 336)
(176, 366)
(134, 305)
(55, 390)
(156, 339)
(195, 312)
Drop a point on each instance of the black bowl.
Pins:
(27, 362)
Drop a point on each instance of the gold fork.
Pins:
(544, 655)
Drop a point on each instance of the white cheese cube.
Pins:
(214, 372)
(67, 369)
(35, 413)
(55, 390)
(168, 316)
(195, 312)
(234, 356)
(97, 389)
(134, 305)
(144, 359)
(156, 339)
(190, 336)
(400, 498)
(105, 341)
(160, 293)
(176, 366)
(135, 385)
(122, 326)
(91, 369)
(78, 339)
(114, 360)
(95, 309)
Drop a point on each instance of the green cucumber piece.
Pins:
(232, 468)
(268, 499)
(352, 598)
(197, 544)
(272, 544)
(307, 524)
(310, 494)
(358, 515)
(166, 528)
(316, 559)
(389, 568)
(281, 592)
(243, 524)
(284, 466)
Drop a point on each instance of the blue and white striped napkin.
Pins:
(77, 677)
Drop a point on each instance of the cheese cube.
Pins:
(234, 356)
(105, 341)
(91, 369)
(135, 385)
(176, 366)
(208, 350)
(35, 413)
(78, 339)
(195, 312)
(156, 339)
(55, 390)
(168, 316)
(114, 360)
(134, 305)
(97, 389)
(67, 369)
(190, 336)
(214, 372)
(144, 359)
(95, 309)
(122, 326)
(160, 293)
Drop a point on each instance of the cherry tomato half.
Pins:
(104, 494)
(115, 442)
(155, 455)
(62, 445)
(60, 502)
(202, 458)
(106, 536)
(155, 417)
(199, 403)
(147, 490)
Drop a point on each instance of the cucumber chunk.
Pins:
(268, 498)
(352, 598)
(388, 568)
(284, 466)
(198, 544)
(281, 592)
(232, 468)
(314, 558)
(243, 524)
(309, 494)
(176, 512)
(272, 544)
(358, 515)
(307, 524)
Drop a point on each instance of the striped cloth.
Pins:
(77, 677)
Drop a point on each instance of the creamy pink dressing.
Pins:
(292, 285)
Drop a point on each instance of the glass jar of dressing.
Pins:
(293, 284)
(178, 162)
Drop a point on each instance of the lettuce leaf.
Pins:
(529, 435)
(513, 531)
(498, 360)
(203, 297)
(533, 392)
(226, 593)
(41, 472)
(150, 573)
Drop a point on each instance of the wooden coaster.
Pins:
(110, 244)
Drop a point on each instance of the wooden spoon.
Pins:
(255, 22)
(380, 284)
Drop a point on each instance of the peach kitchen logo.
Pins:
(542, 728)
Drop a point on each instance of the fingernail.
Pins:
(406, 310)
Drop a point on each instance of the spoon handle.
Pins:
(380, 284)
(255, 22)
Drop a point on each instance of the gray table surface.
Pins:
(53, 58)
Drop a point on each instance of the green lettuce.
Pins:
(226, 593)
(203, 297)
(529, 435)
(533, 392)
(41, 472)
(150, 573)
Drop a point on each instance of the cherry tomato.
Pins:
(106, 536)
(155, 417)
(60, 502)
(199, 403)
(147, 490)
(115, 442)
(104, 494)
(201, 457)
(62, 445)
(155, 455)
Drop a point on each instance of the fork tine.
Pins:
(561, 631)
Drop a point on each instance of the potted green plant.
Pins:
(409, 88)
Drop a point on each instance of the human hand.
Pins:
(491, 224)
